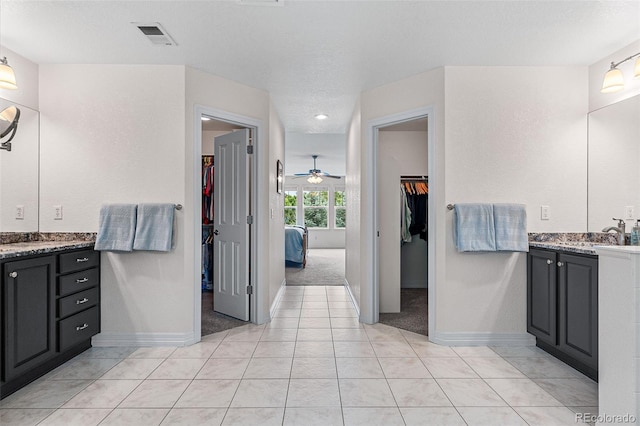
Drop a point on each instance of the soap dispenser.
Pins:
(635, 234)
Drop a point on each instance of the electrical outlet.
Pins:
(19, 212)
(629, 212)
(57, 212)
(545, 213)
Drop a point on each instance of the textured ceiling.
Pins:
(317, 56)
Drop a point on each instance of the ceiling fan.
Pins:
(315, 174)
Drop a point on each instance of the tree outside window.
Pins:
(290, 207)
(315, 205)
(339, 202)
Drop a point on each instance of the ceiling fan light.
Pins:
(314, 179)
(7, 76)
(613, 81)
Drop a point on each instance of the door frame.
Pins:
(254, 170)
(371, 225)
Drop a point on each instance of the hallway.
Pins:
(313, 364)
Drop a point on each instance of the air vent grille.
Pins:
(154, 32)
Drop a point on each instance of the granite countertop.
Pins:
(580, 243)
(28, 248)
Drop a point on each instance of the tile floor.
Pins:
(314, 364)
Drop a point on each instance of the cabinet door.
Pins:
(541, 295)
(578, 308)
(29, 314)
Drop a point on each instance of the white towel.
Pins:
(473, 227)
(117, 227)
(510, 222)
(154, 230)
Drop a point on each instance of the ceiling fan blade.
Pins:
(330, 176)
(301, 174)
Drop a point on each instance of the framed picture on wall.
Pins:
(279, 176)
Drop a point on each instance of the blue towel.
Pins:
(510, 222)
(117, 227)
(473, 227)
(154, 230)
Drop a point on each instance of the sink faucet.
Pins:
(619, 229)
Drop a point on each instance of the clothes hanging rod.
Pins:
(414, 177)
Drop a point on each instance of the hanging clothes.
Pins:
(405, 216)
(207, 189)
(416, 194)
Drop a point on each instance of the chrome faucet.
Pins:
(619, 229)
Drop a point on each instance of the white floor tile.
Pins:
(359, 368)
(75, 417)
(314, 368)
(491, 416)
(353, 349)
(470, 393)
(404, 368)
(493, 368)
(522, 393)
(274, 349)
(178, 369)
(223, 368)
(420, 416)
(268, 368)
(23, 416)
(253, 416)
(155, 394)
(103, 394)
(208, 394)
(449, 368)
(261, 393)
(366, 393)
(547, 416)
(314, 349)
(313, 393)
(315, 334)
(135, 417)
(372, 416)
(194, 417)
(324, 416)
(418, 393)
(133, 368)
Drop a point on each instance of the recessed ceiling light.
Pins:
(321, 116)
(205, 118)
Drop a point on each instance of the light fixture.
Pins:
(314, 179)
(614, 80)
(321, 116)
(7, 76)
(205, 118)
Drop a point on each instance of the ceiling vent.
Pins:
(155, 33)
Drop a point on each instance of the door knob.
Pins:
(216, 232)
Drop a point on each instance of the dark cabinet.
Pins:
(30, 314)
(562, 306)
(50, 311)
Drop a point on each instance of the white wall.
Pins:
(597, 71)
(353, 190)
(513, 135)
(116, 134)
(276, 205)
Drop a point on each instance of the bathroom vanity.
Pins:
(562, 303)
(50, 307)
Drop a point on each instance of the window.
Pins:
(315, 206)
(339, 203)
(290, 207)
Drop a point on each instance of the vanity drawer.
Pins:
(79, 281)
(77, 302)
(78, 260)
(78, 328)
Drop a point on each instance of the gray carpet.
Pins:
(413, 315)
(213, 322)
(324, 267)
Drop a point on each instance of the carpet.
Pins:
(213, 322)
(324, 267)
(413, 315)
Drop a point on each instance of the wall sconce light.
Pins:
(614, 80)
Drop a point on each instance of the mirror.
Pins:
(19, 168)
(8, 125)
(614, 164)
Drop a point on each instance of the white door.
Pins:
(231, 229)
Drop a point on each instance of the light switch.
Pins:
(545, 213)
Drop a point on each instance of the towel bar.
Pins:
(178, 206)
(450, 206)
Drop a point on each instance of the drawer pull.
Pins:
(82, 327)
(84, 259)
(82, 280)
(13, 274)
(549, 261)
(560, 264)
(80, 302)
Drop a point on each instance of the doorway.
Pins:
(224, 179)
(386, 175)
(403, 189)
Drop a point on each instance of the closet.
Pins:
(402, 211)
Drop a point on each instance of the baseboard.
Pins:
(354, 302)
(482, 339)
(276, 300)
(143, 339)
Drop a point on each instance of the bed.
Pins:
(295, 245)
